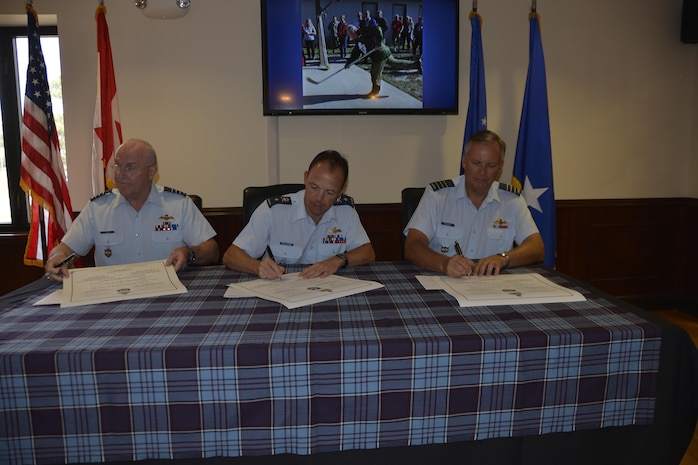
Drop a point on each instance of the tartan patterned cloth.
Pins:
(197, 375)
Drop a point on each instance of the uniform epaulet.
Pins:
(174, 191)
(108, 191)
(345, 200)
(279, 200)
(436, 185)
(509, 188)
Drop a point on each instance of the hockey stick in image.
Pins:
(319, 81)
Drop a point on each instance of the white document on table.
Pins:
(100, 284)
(292, 291)
(504, 289)
(54, 298)
(232, 291)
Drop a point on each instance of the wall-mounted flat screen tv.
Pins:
(305, 52)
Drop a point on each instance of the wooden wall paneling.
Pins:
(227, 222)
(642, 250)
(572, 250)
(17, 274)
(382, 224)
(633, 249)
(629, 248)
(687, 252)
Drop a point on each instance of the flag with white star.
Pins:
(476, 120)
(533, 163)
(42, 175)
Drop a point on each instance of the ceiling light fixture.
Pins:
(163, 9)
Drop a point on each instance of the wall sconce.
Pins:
(163, 9)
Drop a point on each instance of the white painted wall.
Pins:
(623, 93)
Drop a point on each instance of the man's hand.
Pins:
(269, 269)
(489, 266)
(55, 271)
(321, 269)
(458, 266)
(178, 258)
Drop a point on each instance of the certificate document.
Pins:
(504, 289)
(101, 284)
(292, 291)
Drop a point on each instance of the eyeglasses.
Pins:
(128, 170)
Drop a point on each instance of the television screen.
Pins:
(339, 59)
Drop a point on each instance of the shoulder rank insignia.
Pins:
(509, 188)
(345, 200)
(436, 185)
(108, 191)
(279, 200)
(174, 191)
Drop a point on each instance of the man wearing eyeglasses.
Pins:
(138, 221)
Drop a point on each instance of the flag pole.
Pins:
(42, 233)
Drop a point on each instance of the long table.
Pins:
(397, 373)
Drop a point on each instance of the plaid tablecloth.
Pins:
(197, 375)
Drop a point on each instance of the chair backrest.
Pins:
(198, 201)
(253, 196)
(410, 199)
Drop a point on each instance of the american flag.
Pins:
(107, 136)
(42, 174)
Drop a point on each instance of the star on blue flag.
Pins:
(533, 166)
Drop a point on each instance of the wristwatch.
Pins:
(506, 257)
(192, 256)
(344, 258)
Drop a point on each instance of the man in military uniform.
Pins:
(138, 221)
(369, 39)
(317, 226)
(468, 225)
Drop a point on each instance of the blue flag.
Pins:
(476, 120)
(533, 165)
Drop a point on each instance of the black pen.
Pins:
(459, 251)
(271, 255)
(67, 260)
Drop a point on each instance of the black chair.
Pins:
(252, 197)
(410, 199)
(197, 201)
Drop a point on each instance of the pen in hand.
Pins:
(66, 261)
(271, 255)
(459, 251)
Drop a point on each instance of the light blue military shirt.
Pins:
(283, 224)
(446, 215)
(120, 234)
